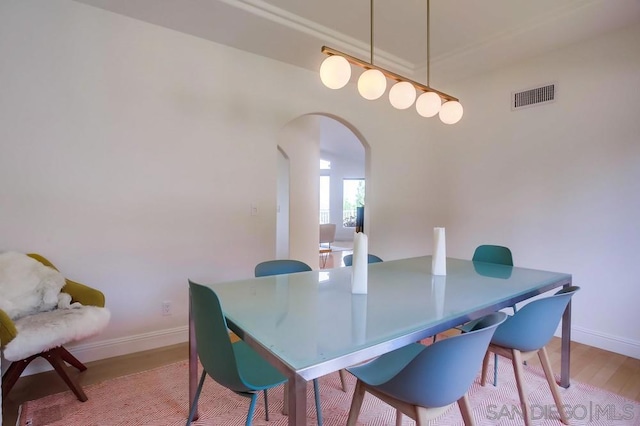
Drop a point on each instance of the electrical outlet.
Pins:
(166, 308)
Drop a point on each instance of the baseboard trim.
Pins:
(94, 351)
(607, 342)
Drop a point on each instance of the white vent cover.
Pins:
(532, 97)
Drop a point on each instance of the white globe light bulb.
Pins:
(335, 72)
(451, 112)
(428, 104)
(402, 95)
(372, 84)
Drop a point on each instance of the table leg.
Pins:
(565, 354)
(193, 361)
(297, 401)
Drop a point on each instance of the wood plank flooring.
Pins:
(614, 372)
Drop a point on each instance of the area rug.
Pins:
(159, 397)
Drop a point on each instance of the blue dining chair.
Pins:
(371, 258)
(290, 266)
(499, 255)
(526, 334)
(280, 266)
(493, 254)
(423, 381)
(235, 366)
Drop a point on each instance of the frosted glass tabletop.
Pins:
(313, 324)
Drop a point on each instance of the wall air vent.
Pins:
(531, 97)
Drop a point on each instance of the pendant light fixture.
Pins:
(335, 73)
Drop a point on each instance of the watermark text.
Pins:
(588, 411)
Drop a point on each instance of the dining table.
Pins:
(310, 324)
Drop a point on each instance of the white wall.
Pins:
(131, 155)
(558, 183)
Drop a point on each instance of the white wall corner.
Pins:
(617, 344)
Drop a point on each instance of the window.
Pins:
(325, 183)
(353, 197)
(324, 199)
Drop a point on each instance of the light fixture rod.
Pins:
(371, 28)
(389, 74)
(428, 44)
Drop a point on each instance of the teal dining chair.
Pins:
(290, 266)
(235, 366)
(526, 334)
(280, 266)
(371, 258)
(493, 254)
(499, 255)
(424, 381)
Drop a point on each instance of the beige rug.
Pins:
(159, 397)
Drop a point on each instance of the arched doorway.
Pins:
(303, 141)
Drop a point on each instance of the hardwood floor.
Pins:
(607, 370)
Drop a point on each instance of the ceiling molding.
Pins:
(568, 9)
(329, 36)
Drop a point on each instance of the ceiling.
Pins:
(467, 36)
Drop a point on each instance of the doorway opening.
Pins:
(323, 152)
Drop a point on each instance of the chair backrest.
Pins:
(215, 349)
(371, 258)
(281, 266)
(442, 373)
(493, 254)
(532, 327)
(327, 232)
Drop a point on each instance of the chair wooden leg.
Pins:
(13, 373)
(546, 366)
(343, 379)
(70, 359)
(54, 357)
(398, 417)
(516, 360)
(356, 403)
(465, 410)
(485, 366)
(421, 416)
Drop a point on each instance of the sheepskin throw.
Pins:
(47, 330)
(27, 286)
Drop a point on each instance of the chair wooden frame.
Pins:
(56, 357)
(421, 415)
(517, 358)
